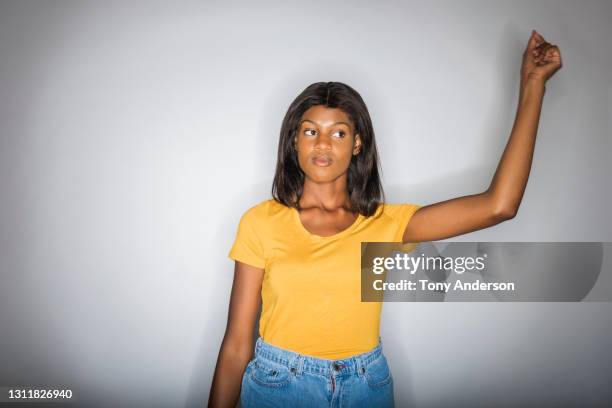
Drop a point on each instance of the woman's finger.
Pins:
(554, 50)
(554, 54)
(546, 58)
(533, 40)
(538, 48)
(542, 50)
(539, 38)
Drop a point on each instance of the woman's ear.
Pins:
(357, 147)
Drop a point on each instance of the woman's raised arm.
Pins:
(502, 199)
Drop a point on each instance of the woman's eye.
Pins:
(339, 133)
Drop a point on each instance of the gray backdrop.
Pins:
(134, 135)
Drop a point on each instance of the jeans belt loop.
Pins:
(360, 367)
(295, 365)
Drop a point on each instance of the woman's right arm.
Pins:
(237, 346)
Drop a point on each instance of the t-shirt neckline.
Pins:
(298, 221)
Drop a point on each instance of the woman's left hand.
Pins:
(541, 59)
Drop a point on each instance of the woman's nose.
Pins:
(323, 141)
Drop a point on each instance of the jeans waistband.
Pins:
(299, 363)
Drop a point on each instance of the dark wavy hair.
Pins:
(364, 185)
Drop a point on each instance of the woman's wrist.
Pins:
(532, 90)
(529, 81)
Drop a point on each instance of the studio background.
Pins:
(134, 135)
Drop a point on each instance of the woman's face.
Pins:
(325, 143)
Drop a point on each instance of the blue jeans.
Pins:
(276, 377)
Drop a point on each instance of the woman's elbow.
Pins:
(504, 212)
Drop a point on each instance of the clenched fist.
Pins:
(541, 59)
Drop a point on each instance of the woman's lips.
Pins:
(322, 161)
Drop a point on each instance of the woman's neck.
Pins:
(327, 196)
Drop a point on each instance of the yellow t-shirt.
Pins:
(311, 290)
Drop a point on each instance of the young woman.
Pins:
(299, 252)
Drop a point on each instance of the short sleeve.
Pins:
(402, 214)
(248, 246)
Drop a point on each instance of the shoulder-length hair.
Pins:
(364, 185)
